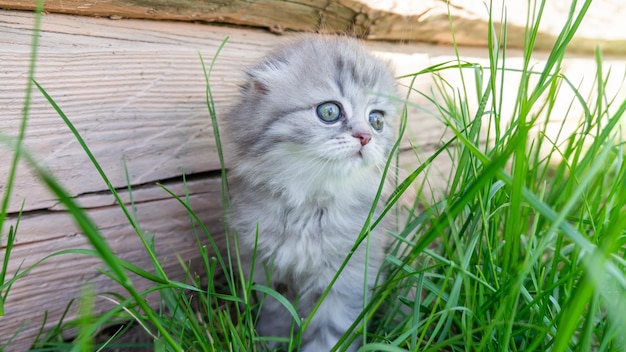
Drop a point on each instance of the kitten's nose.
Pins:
(363, 137)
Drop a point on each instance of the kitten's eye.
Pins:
(329, 112)
(377, 120)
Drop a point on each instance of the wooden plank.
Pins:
(124, 105)
(58, 280)
(424, 20)
(135, 91)
(53, 223)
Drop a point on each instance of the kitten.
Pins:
(310, 137)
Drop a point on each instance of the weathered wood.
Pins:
(56, 281)
(425, 20)
(135, 91)
(134, 94)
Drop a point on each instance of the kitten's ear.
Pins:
(261, 75)
(256, 82)
(255, 86)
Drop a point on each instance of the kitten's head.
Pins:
(319, 105)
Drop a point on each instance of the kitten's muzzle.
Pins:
(363, 137)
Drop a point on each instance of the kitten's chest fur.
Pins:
(306, 240)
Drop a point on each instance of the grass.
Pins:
(524, 251)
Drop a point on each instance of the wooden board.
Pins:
(405, 20)
(56, 281)
(135, 90)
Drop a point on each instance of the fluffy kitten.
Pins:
(310, 137)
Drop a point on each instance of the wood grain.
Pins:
(424, 21)
(135, 90)
(55, 282)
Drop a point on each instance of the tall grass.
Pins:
(525, 251)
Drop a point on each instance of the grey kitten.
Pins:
(310, 137)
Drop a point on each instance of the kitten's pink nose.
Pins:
(363, 137)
